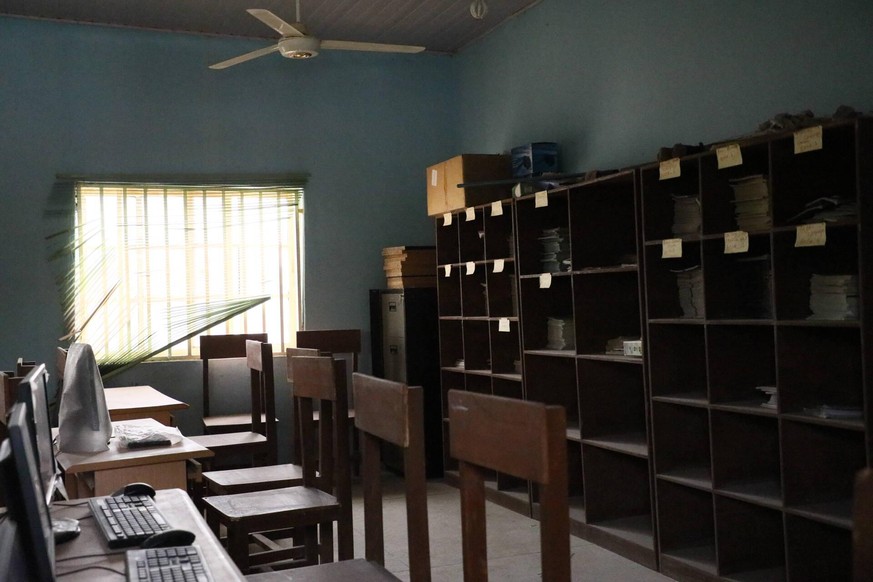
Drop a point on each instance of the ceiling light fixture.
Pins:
(478, 9)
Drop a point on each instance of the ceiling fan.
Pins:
(296, 43)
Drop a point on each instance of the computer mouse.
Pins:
(136, 489)
(168, 539)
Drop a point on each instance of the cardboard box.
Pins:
(443, 194)
(534, 159)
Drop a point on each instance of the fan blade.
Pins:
(348, 45)
(245, 57)
(274, 22)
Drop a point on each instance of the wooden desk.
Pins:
(90, 549)
(131, 402)
(96, 474)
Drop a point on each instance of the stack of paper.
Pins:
(556, 250)
(752, 203)
(826, 208)
(561, 334)
(615, 345)
(833, 296)
(409, 267)
(690, 284)
(686, 214)
(773, 393)
(837, 412)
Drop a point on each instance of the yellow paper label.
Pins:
(470, 214)
(448, 270)
(671, 248)
(736, 242)
(729, 156)
(541, 199)
(503, 324)
(808, 140)
(498, 265)
(497, 208)
(471, 267)
(545, 280)
(669, 169)
(447, 219)
(811, 235)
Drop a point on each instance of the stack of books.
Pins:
(409, 267)
(561, 334)
(556, 250)
(773, 393)
(686, 214)
(690, 284)
(833, 296)
(752, 203)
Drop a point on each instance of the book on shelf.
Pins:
(833, 296)
(826, 208)
(555, 256)
(752, 202)
(561, 333)
(686, 214)
(689, 283)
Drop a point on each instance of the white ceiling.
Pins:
(443, 26)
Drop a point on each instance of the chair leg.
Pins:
(238, 546)
(325, 546)
(310, 544)
(214, 524)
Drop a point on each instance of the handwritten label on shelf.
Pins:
(498, 265)
(736, 242)
(447, 219)
(448, 270)
(541, 199)
(433, 177)
(669, 169)
(471, 267)
(811, 235)
(497, 208)
(807, 140)
(503, 324)
(729, 156)
(671, 248)
(545, 280)
(470, 214)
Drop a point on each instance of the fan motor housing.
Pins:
(299, 47)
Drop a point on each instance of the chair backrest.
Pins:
(22, 367)
(215, 347)
(862, 528)
(293, 352)
(321, 381)
(259, 359)
(393, 412)
(332, 341)
(523, 439)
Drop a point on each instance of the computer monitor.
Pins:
(25, 498)
(32, 393)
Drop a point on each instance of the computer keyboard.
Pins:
(177, 564)
(128, 519)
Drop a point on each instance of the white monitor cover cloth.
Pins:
(83, 419)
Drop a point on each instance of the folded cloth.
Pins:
(83, 419)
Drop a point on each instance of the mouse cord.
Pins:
(86, 568)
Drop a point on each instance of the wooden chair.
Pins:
(323, 498)
(862, 528)
(523, 439)
(219, 347)
(247, 479)
(260, 441)
(391, 412)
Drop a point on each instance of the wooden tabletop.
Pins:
(140, 399)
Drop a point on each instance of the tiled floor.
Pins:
(513, 542)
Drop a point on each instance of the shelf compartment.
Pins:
(682, 450)
(606, 306)
(450, 380)
(501, 386)
(730, 383)
(819, 366)
(816, 551)
(471, 236)
(474, 292)
(658, 197)
(738, 286)
(502, 290)
(477, 353)
(801, 178)
(538, 305)
(603, 222)
(451, 343)
(616, 486)
(449, 291)
(612, 403)
(750, 540)
(450, 464)
(532, 222)
(677, 361)
(718, 195)
(663, 279)
(447, 241)
(499, 233)
(819, 467)
(575, 480)
(686, 536)
(745, 458)
(505, 353)
(552, 381)
(794, 267)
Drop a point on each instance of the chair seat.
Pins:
(230, 423)
(280, 503)
(250, 479)
(357, 570)
(231, 441)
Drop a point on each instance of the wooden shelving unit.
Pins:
(674, 461)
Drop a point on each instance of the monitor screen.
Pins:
(25, 498)
(32, 392)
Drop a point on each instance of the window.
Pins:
(158, 263)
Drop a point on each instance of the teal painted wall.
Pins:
(613, 80)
